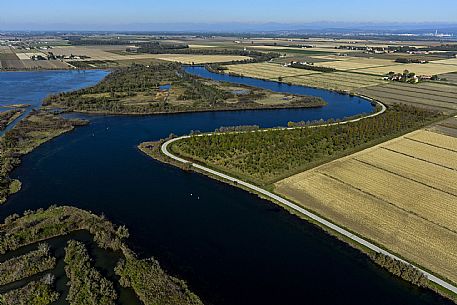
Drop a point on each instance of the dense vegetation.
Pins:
(405, 60)
(31, 132)
(149, 281)
(311, 67)
(401, 269)
(40, 225)
(162, 48)
(8, 116)
(265, 157)
(34, 293)
(152, 284)
(137, 90)
(27, 265)
(87, 285)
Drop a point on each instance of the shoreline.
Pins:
(441, 286)
(136, 114)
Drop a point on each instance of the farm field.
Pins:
(11, 59)
(334, 80)
(408, 204)
(103, 54)
(451, 78)
(267, 71)
(342, 81)
(380, 66)
(346, 63)
(431, 68)
(286, 49)
(447, 127)
(199, 59)
(429, 95)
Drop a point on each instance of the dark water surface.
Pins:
(229, 245)
(32, 87)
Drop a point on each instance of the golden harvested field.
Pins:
(335, 80)
(401, 194)
(344, 81)
(267, 70)
(101, 54)
(356, 63)
(429, 95)
(451, 78)
(381, 66)
(199, 59)
(443, 157)
(431, 68)
(285, 49)
(450, 61)
(96, 53)
(431, 138)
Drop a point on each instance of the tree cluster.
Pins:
(312, 67)
(265, 157)
(42, 224)
(152, 284)
(7, 116)
(36, 292)
(401, 269)
(87, 285)
(27, 265)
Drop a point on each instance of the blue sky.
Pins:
(116, 13)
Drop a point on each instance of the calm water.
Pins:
(32, 87)
(231, 246)
(338, 105)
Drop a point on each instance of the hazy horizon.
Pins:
(233, 27)
(205, 14)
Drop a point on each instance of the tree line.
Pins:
(265, 157)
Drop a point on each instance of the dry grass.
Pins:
(267, 70)
(344, 81)
(200, 59)
(429, 95)
(432, 68)
(436, 155)
(99, 54)
(400, 194)
(334, 81)
(355, 63)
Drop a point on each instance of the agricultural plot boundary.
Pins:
(302, 211)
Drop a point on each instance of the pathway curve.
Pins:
(300, 209)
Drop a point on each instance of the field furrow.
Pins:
(404, 233)
(399, 191)
(425, 152)
(431, 138)
(414, 169)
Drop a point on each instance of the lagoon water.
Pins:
(230, 246)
